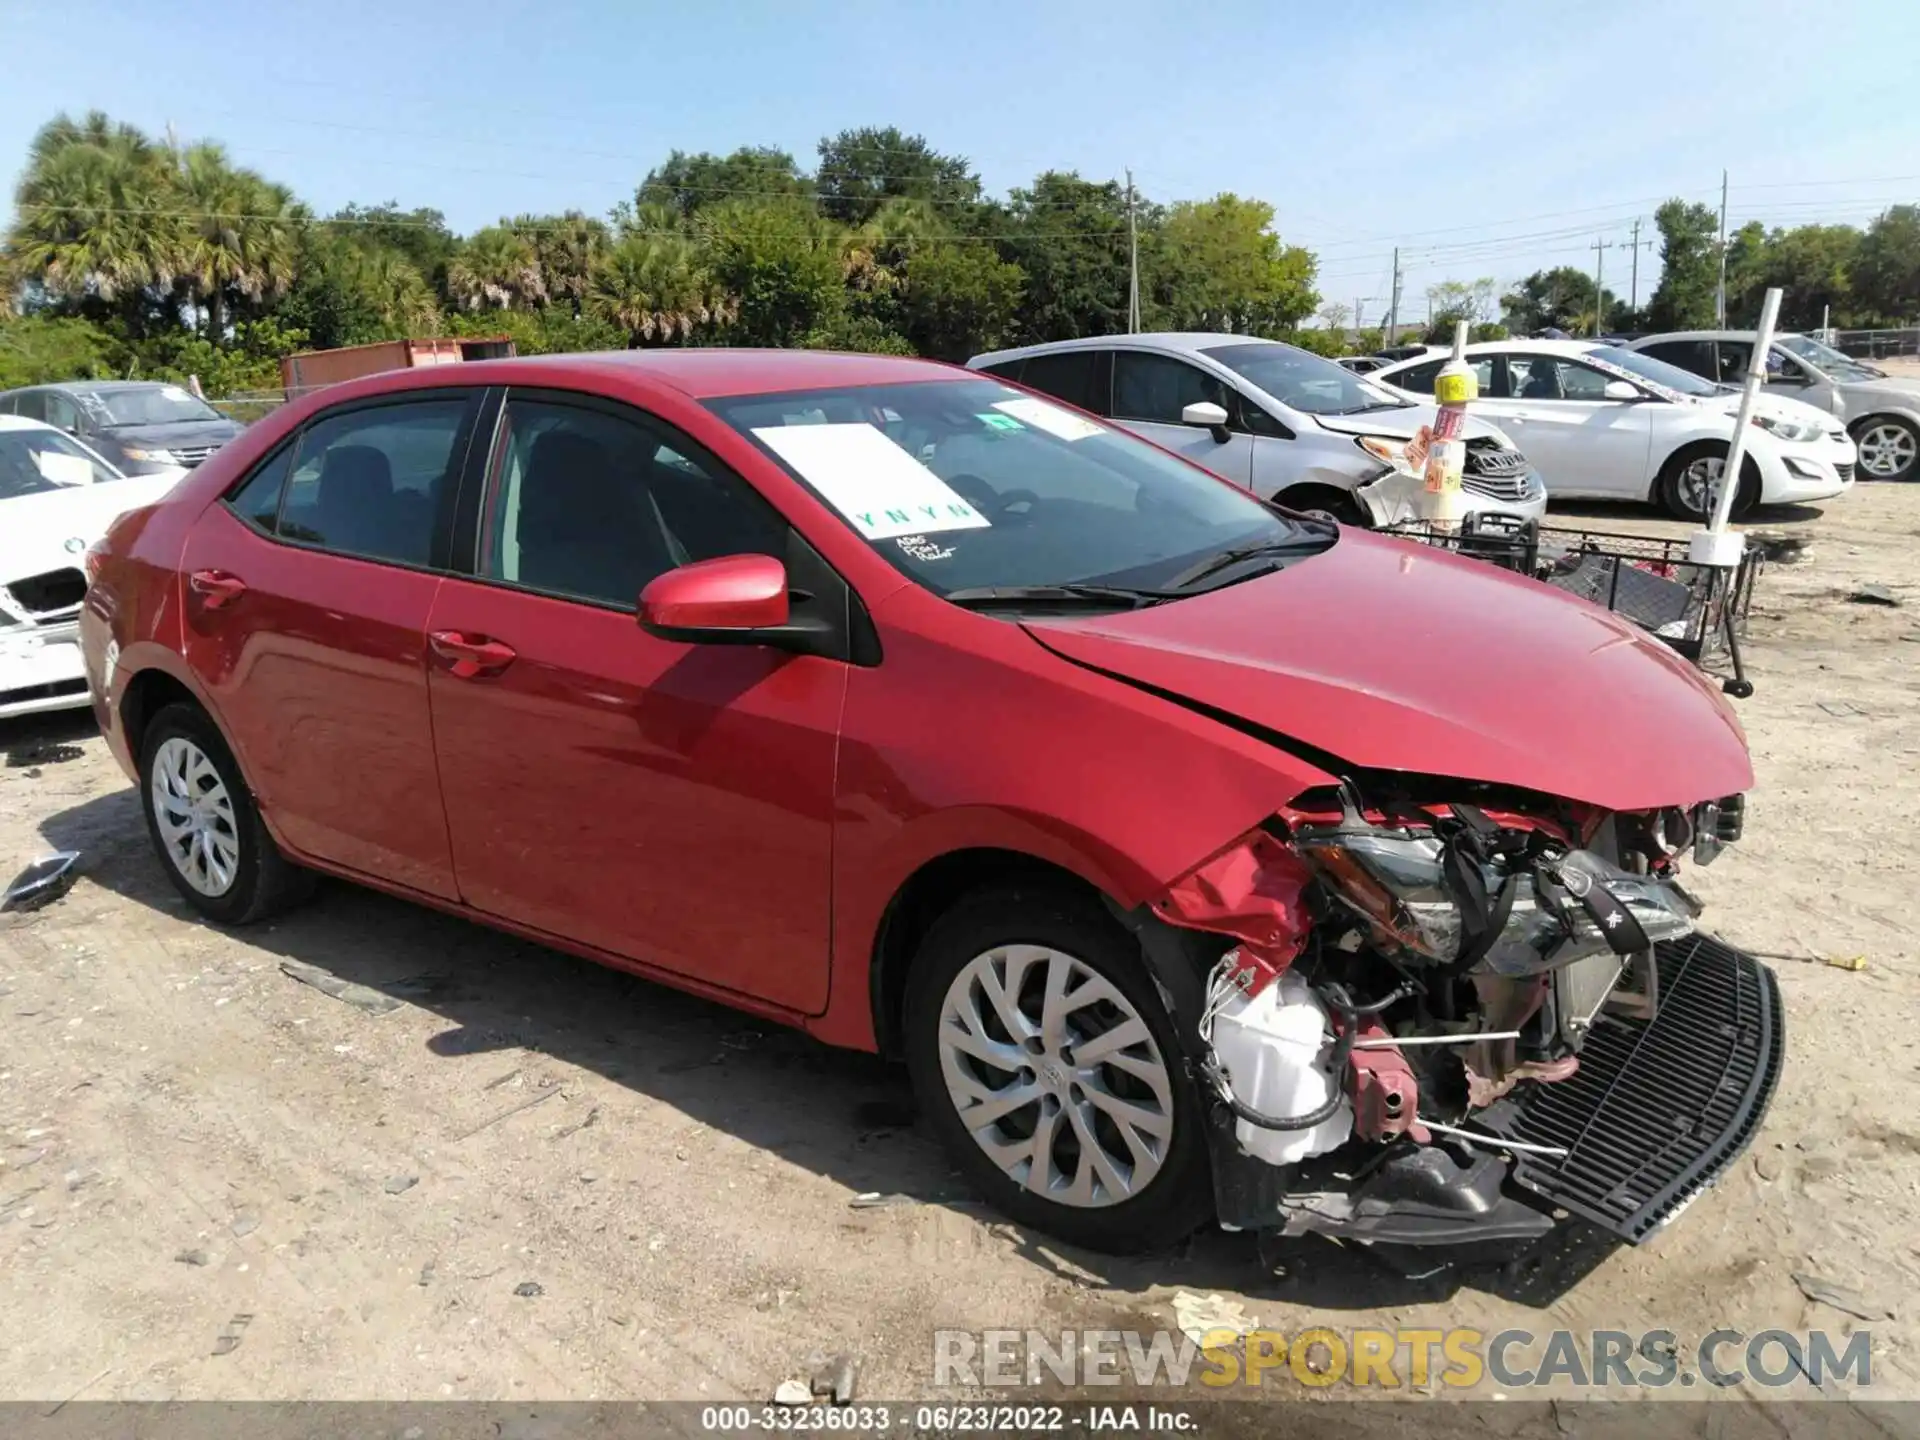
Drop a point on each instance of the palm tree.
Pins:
(96, 218)
(654, 287)
(567, 247)
(240, 234)
(498, 270)
(399, 293)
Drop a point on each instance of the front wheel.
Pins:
(1690, 481)
(1889, 447)
(1044, 1058)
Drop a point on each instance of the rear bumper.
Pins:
(1656, 1113)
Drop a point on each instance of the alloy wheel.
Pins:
(1887, 449)
(1056, 1076)
(1700, 484)
(195, 817)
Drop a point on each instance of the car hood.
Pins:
(178, 432)
(1782, 406)
(1388, 655)
(49, 531)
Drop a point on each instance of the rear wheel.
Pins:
(1044, 1058)
(1690, 480)
(205, 826)
(1889, 447)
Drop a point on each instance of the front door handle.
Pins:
(216, 588)
(467, 657)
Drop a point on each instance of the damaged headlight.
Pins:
(1468, 894)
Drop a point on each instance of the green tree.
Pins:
(1452, 301)
(959, 299)
(239, 239)
(348, 292)
(36, 349)
(1689, 266)
(496, 269)
(654, 289)
(566, 248)
(781, 264)
(1557, 299)
(1811, 264)
(1069, 237)
(421, 235)
(753, 172)
(1217, 265)
(862, 169)
(1887, 267)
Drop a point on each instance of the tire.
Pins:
(233, 873)
(1326, 500)
(1672, 488)
(1027, 931)
(1895, 443)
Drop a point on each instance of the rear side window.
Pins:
(257, 501)
(1419, 379)
(1078, 377)
(1006, 369)
(368, 482)
(591, 504)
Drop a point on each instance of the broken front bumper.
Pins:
(41, 669)
(1656, 1113)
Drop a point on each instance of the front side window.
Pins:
(1831, 363)
(593, 505)
(1158, 387)
(35, 461)
(368, 482)
(969, 484)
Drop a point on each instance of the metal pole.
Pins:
(1633, 303)
(1393, 305)
(1133, 263)
(1713, 552)
(1600, 248)
(1720, 294)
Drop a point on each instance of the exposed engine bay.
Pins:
(1395, 1037)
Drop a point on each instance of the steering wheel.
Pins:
(992, 503)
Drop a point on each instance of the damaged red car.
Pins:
(1202, 861)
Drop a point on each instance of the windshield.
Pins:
(971, 484)
(147, 405)
(1303, 380)
(1645, 367)
(35, 461)
(1835, 364)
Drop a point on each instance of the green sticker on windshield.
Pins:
(997, 421)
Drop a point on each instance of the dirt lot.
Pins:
(219, 1182)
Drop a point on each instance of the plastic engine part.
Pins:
(1386, 1097)
(1276, 1048)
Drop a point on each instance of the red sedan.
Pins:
(1201, 860)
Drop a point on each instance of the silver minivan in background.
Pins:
(1285, 423)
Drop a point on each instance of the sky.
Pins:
(1485, 138)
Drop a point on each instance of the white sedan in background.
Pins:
(56, 498)
(1610, 424)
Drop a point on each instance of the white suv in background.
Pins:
(1276, 419)
(1611, 424)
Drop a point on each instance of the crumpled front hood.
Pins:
(1395, 656)
(50, 530)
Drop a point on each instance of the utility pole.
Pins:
(1359, 314)
(1600, 248)
(1133, 264)
(1634, 302)
(1720, 294)
(1393, 305)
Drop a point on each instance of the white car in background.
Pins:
(1605, 423)
(56, 498)
(1275, 419)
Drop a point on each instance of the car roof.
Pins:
(21, 422)
(704, 373)
(1507, 347)
(1704, 335)
(1176, 342)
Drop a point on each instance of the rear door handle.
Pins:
(216, 588)
(467, 657)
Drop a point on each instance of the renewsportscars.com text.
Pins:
(1417, 1359)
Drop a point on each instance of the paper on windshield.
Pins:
(1050, 418)
(882, 489)
(64, 469)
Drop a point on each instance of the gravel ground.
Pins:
(534, 1178)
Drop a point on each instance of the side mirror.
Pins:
(1623, 390)
(716, 602)
(1207, 416)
